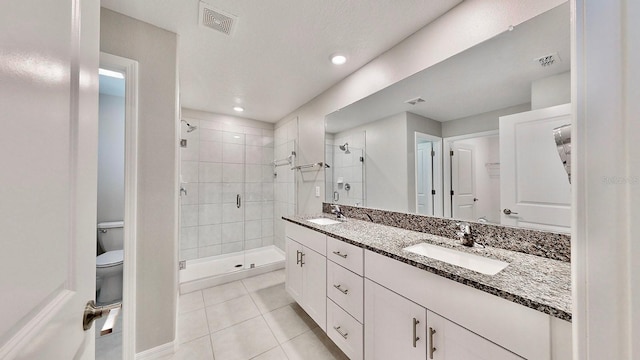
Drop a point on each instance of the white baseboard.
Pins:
(157, 352)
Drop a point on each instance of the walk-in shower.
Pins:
(230, 202)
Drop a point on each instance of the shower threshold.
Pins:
(220, 269)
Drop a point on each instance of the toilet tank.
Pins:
(111, 235)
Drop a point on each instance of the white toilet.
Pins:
(109, 264)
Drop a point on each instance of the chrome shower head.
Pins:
(345, 148)
(190, 127)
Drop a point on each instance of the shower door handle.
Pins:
(238, 201)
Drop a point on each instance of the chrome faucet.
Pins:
(464, 233)
(335, 209)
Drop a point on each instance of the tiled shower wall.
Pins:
(285, 194)
(223, 159)
(346, 169)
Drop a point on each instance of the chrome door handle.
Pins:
(344, 256)
(93, 312)
(432, 348)
(415, 331)
(344, 291)
(509, 212)
(342, 333)
(238, 201)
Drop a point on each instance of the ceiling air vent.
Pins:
(216, 19)
(548, 60)
(414, 101)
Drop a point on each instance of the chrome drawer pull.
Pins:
(344, 256)
(344, 291)
(432, 348)
(298, 257)
(415, 330)
(343, 334)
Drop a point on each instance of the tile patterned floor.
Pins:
(253, 318)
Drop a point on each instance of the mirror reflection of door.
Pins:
(463, 183)
(535, 191)
(424, 188)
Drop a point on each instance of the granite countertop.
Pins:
(532, 281)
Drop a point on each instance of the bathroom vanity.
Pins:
(377, 300)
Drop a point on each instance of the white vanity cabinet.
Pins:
(306, 271)
(376, 307)
(395, 328)
(345, 293)
(450, 341)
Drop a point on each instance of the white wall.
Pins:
(550, 91)
(110, 158)
(465, 26)
(155, 51)
(285, 196)
(481, 122)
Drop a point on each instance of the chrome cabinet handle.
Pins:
(344, 291)
(415, 331)
(432, 348)
(238, 201)
(342, 333)
(301, 258)
(344, 256)
(509, 212)
(298, 257)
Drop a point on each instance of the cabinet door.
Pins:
(453, 342)
(394, 327)
(293, 270)
(314, 286)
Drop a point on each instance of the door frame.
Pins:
(446, 160)
(438, 199)
(130, 69)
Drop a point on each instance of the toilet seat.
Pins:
(110, 258)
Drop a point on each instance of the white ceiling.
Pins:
(278, 57)
(490, 76)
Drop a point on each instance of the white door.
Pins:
(394, 327)
(533, 183)
(424, 175)
(463, 183)
(48, 154)
(453, 342)
(314, 286)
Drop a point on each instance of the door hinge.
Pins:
(451, 153)
(433, 192)
(433, 153)
(182, 264)
(452, 193)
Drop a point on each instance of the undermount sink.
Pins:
(324, 221)
(468, 261)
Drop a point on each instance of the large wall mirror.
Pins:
(470, 138)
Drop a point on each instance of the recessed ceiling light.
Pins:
(109, 73)
(238, 108)
(338, 59)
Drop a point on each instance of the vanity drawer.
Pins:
(344, 254)
(346, 289)
(345, 331)
(307, 237)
